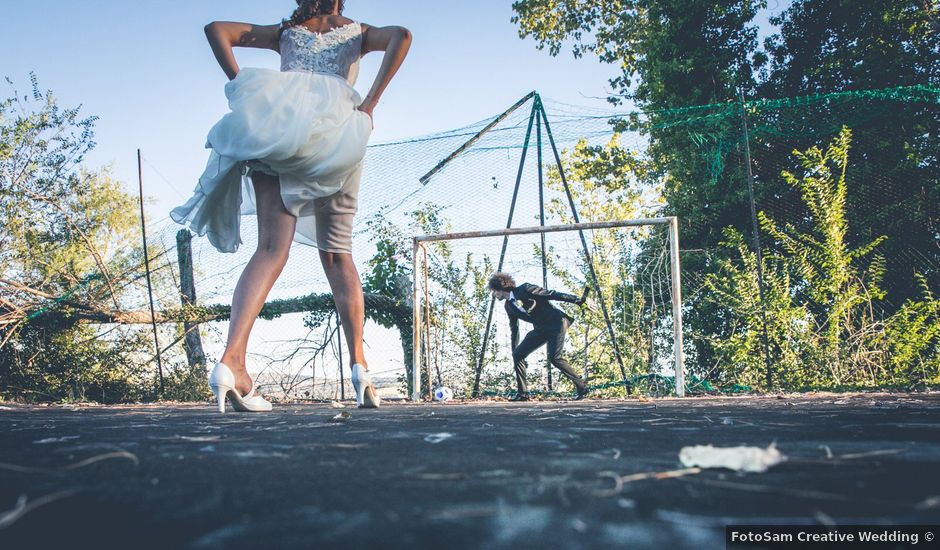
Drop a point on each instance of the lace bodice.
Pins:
(336, 51)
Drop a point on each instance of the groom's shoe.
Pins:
(583, 390)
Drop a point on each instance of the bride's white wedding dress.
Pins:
(300, 124)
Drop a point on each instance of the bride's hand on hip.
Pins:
(367, 108)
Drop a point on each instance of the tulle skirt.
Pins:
(302, 127)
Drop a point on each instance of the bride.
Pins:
(291, 151)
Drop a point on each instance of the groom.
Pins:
(531, 304)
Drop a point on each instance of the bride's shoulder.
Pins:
(326, 22)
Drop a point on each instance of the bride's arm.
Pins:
(394, 41)
(225, 35)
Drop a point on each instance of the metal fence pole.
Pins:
(502, 253)
(628, 386)
(538, 148)
(415, 326)
(676, 305)
(757, 245)
(143, 230)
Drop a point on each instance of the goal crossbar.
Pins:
(673, 228)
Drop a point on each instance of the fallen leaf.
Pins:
(341, 417)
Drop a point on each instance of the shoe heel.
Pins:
(370, 398)
(221, 380)
(220, 393)
(360, 389)
(365, 391)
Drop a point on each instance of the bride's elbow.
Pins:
(404, 34)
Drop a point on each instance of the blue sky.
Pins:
(146, 70)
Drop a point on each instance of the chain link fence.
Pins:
(619, 165)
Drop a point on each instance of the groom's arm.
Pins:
(537, 291)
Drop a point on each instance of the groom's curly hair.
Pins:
(502, 281)
(307, 9)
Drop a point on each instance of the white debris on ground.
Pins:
(739, 459)
(438, 437)
(337, 405)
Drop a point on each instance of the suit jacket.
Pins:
(531, 303)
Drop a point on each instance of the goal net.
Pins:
(626, 340)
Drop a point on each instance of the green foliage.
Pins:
(67, 243)
(390, 268)
(456, 314)
(738, 343)
(834, 282)
(835, 45)
(78, 364)
(832, 45)
(186, 383)
(912, 340)
(820, 298)
(684, 63)
(670, 52)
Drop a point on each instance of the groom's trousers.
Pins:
(553, 337)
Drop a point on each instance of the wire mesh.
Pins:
(633, 274)
(475, 191)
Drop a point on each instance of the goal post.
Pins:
(421, 314)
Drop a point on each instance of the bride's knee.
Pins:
(276, 250)
(335, 260)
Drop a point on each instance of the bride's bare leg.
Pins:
(275, 234)
(347, 295)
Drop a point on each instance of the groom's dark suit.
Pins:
(531, 303)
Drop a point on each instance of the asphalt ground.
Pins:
(458, 475)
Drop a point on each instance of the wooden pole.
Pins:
(192, 342)
(427, 324)
(415, 326)
(339, 355)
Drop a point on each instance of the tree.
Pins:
(67, 244)
(834, 45)
(826, 46)
(672, 53)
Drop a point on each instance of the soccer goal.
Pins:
(626, 339)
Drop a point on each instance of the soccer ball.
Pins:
(443, 393)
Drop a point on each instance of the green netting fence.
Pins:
(689, 162)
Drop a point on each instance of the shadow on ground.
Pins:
(492, 474)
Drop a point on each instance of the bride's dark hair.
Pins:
(307, 9)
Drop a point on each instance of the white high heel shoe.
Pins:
(222, 382)
(366, 397)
